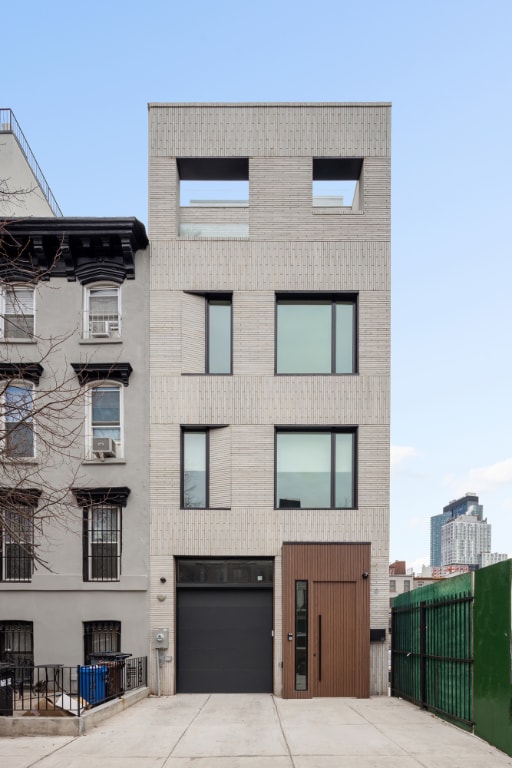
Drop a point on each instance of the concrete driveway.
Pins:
(260, 731)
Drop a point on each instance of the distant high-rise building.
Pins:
(468, 504)
(463, 539)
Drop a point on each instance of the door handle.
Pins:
(319, 647)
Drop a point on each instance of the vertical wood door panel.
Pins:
(333, 648)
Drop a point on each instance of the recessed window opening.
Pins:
(214, 182)
(316, 335)
(195, 463)
(336, 182)
(315, 469)
(218, 335)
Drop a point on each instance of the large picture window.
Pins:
(315, 469)
(316, 335)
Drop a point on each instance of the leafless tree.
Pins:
(41, 419)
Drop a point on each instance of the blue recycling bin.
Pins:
(92, 683)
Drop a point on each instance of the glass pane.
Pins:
(104, 525)
(103, 303)
(230, 571)
(345, 337)
(105, 406)
(19, 431)
(303, 470)
(194, 470)
(219, 337)
(19, 301)
(304, 337)
(344, 471)
(301, 635)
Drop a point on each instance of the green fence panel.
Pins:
(432, 640)
(493, 673)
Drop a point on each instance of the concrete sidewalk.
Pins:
(260, 731)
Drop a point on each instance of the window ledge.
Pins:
(104, 461)
(19, 460)
(100, 341)
(322, 211)
(206, 509)
(17, 341)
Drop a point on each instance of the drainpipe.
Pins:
(157, 671)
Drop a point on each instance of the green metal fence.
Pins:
(432, 652)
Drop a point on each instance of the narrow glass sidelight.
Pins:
(219, 336)
(301, 635)
(195, 489)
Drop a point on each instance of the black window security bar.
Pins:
(101, 637)
(9, 124)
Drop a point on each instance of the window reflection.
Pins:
(194, 470)
(219, 336)
(315, 336)
(314, 470)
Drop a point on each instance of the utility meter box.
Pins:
(161, 638)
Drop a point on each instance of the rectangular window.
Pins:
(315, 469)
(407, 585)
(106, 415)
(195, 476)
(101, 637)
(17, 543)
(102, 543)
(316, 335)
(102, 314)
(18, 424)
(392, 585)
(18, 312)
(214, 181)
(17, 645)
(218, 330)
(337, 182)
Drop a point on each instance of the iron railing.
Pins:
(9, 124)
(432, 656)
(54, 688)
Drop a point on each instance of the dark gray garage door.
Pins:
(224, 641)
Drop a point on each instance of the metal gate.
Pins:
(432, 656)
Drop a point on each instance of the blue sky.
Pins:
(79, 76)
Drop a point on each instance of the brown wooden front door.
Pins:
(333, 624)
(326, 619)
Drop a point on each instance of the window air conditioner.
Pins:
(100, 329)
(104, 447)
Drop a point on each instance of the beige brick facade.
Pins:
(291, 246)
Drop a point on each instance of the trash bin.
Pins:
(114, 663)
(93, 683)
(6, 688)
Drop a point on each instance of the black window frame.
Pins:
(189, 430)
(333, 430)
(337, 297)
(210, 299)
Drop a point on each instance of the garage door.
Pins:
(224, 641)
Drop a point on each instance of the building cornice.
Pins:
(83, 249)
